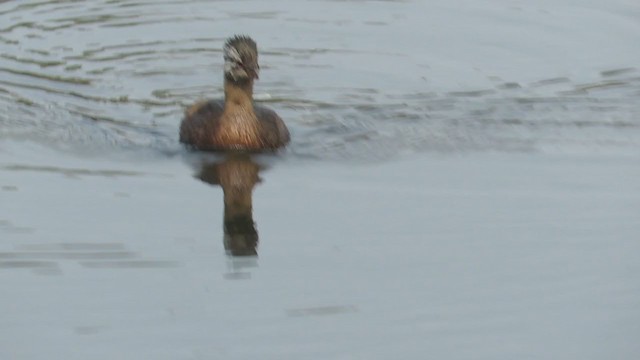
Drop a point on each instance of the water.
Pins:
(353, 79)
(462, 182)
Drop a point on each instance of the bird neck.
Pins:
(238, 93)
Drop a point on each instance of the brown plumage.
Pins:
(235, 123)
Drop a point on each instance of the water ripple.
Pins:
(117, 74)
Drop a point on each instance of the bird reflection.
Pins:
(237, 174)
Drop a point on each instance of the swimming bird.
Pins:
(235, 123)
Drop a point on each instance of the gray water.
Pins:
(463, 182)
(353, 79)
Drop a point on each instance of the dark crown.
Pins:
(239, 40)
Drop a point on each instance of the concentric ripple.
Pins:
(116, 75)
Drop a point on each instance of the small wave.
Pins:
(116, 75)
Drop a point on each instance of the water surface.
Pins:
(355, 79)
(463, 182)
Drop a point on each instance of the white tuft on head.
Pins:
(231, 61)
(231, 54)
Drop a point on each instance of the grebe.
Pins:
(235, 123)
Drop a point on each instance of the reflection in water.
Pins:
(237, 174)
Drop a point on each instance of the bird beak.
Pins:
(254, 72)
